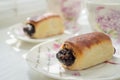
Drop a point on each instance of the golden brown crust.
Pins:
(86, 40)
(42, 19)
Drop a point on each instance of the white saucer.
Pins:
(42, 58)
(17, 31)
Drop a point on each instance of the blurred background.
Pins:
(15, 11)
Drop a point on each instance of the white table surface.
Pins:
(12, 64)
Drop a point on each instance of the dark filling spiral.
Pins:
(66, 56)
(29, 29)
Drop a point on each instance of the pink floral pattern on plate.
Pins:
(108, 20)
(76, 73)
(70, 8)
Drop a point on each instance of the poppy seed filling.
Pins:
(29, 29)
(66, 56)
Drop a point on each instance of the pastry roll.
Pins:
(47, 25)
(86, 50)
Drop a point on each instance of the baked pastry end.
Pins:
(86, 50)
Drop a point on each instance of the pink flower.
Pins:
(70, 8)
(99, 8)
(56, 46)
(50, 55)
(76, 74)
